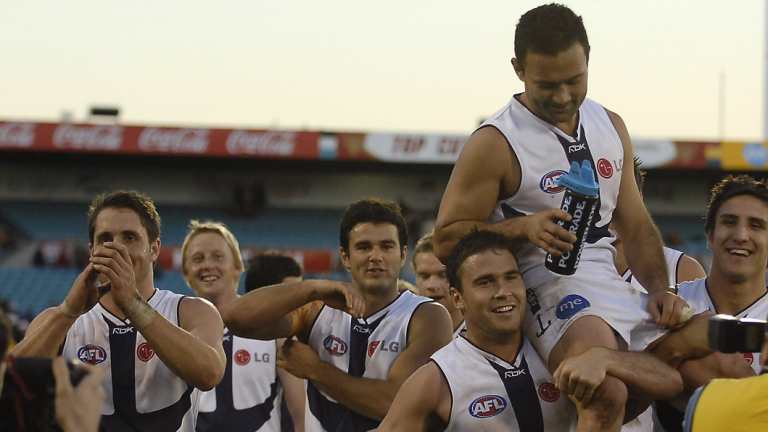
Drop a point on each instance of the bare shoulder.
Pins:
(689, 269)
(486, 147)
(619, 124)
(431, 321)
(195, 310)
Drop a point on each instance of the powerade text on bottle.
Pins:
(580, 201)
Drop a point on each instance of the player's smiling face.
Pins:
(492, 294)
(739, 239)
(209, 265)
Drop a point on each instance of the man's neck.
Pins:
(733, 297)
(505, 347)
(457, 318)
(377, 300)
(568, 128)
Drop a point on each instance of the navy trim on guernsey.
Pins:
(334, 416)
(122, 346)
(521, 391)
(581, 154)
(226, 417)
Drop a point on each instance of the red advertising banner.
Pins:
(118, 139)
(306, 145)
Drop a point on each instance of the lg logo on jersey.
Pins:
(243, 357)
(385, 347)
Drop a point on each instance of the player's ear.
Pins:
(344, 258)
(519, 70)
(154, 249)
(458, 300)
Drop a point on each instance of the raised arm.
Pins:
(486, 171)
(46, 333)
(422, 404)
(278, 311)
(645, 257)
(430, 330)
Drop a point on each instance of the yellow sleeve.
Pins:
(732, 405)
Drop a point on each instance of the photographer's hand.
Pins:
(78, 408)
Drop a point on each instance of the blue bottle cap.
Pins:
(580, 179)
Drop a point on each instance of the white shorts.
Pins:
(556, 304)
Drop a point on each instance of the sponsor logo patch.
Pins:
(91, 354)
(242, 357)
(548, 182)
(487, 406)
(604, 168)
(749, 358)
(548, 392)
(334, 345)
(570, 305)
(145, 352)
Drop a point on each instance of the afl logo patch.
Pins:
(91, 354)
(334, 345)
(548, 182)
(604, 168)
(145, 352)
(548, 392)
(242, 357)
(487, 406)
(570, 305)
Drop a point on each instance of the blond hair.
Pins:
(196, 227)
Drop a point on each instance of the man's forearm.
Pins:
(45, 334)
(446, 238)
(259, 313)
(645, 257)
(369, 397)
(645, 376)
(191, 358)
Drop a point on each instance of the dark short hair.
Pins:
(372, 210)
(728, 188)
(141, 204)
(549, 29)
(474, 243)
(268, 269)
(640, 174)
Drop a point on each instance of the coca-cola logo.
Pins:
(17, 134)
(261, 143)
(88, 137)
(174, 140)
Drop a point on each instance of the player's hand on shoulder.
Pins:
(668, 309)
(543, 231)
(338, 295)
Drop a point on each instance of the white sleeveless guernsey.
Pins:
(361, 348)
(142, 393)
(249, 396)
(672, 258)
(696, 293)
(545, 153)
(489, 394)
(461, 329)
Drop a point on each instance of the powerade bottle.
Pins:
(580, 201)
